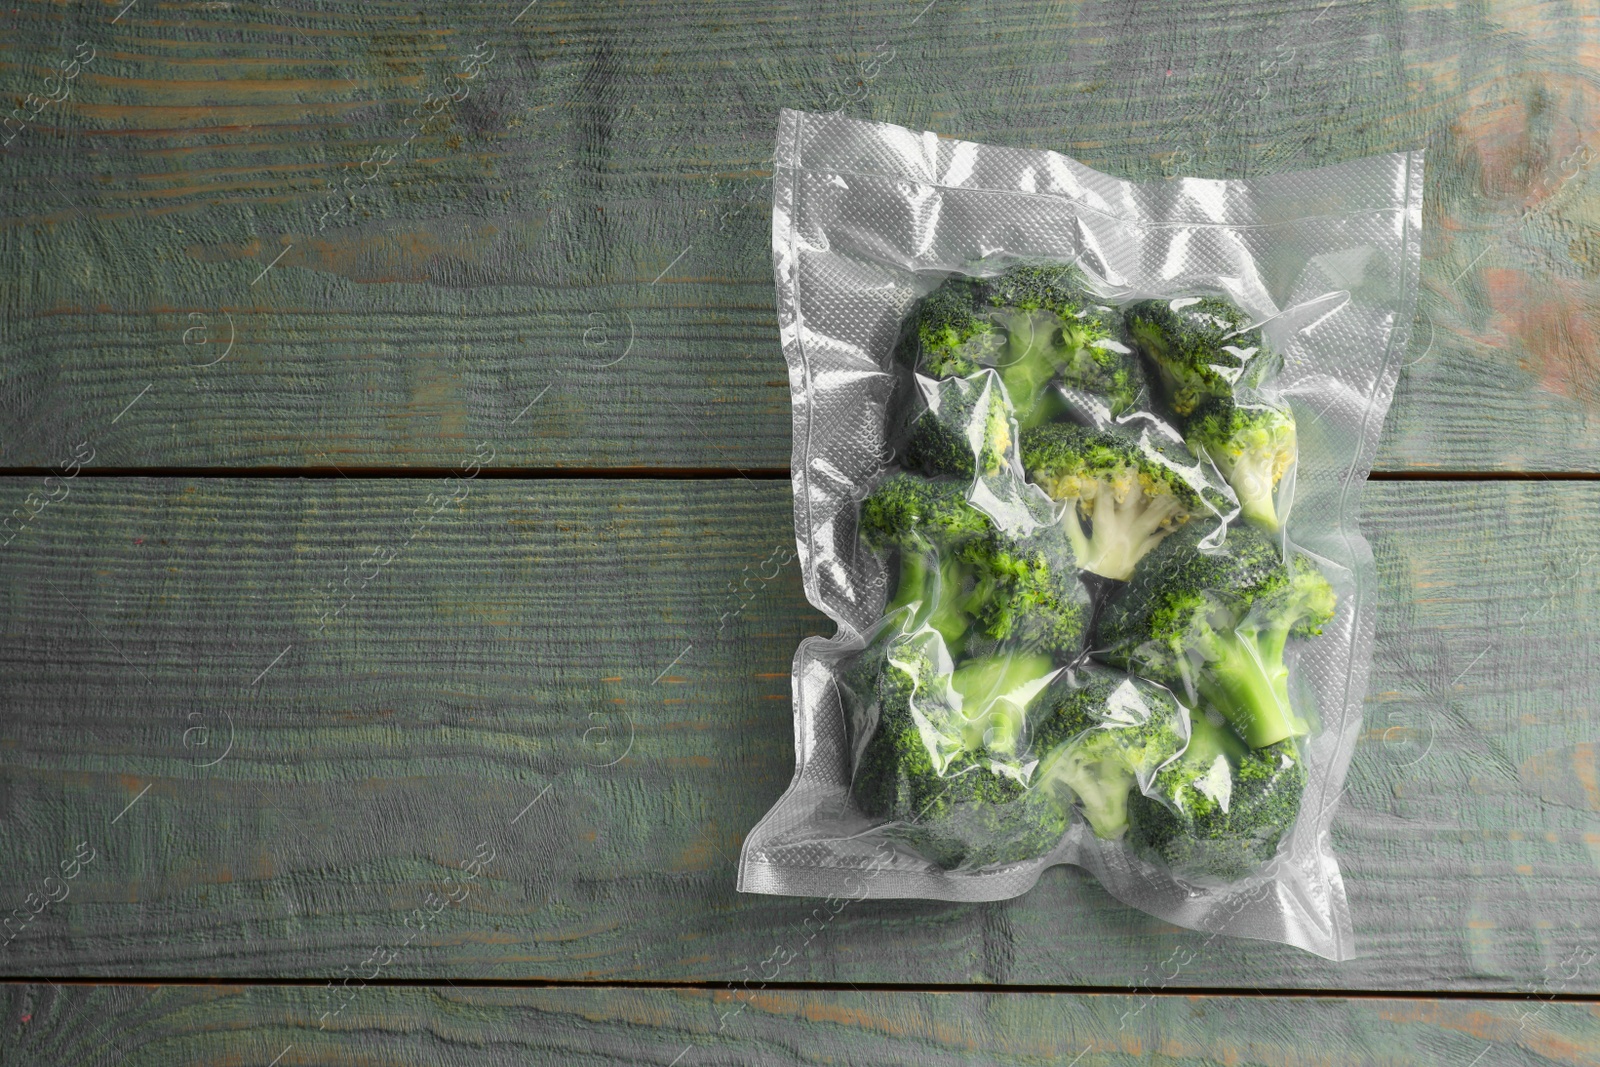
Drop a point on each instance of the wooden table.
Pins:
(284, 703)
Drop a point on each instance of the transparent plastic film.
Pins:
(1108, 603)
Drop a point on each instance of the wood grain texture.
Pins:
(538, 672)
(592, 217)
(133, 1027)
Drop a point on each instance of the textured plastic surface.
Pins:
(868, 219)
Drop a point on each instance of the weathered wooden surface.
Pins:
(281, 714)
(135, 1026)
(592, 217)
(538, 669)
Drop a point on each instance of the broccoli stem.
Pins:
(930, 586)
(1251, 478)
(1082, 549)
(1101, 779)
(1121, 534)
(995, 694)
(1030, 361)
(912, 585)
(1249, 685)
(1207, 742)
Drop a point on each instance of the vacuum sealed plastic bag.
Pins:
(1077, 469)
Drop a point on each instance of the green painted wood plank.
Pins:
(602, 182)
(537, 669)
(489, 1027)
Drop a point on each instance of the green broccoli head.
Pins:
(973, 816)
(1024, 591)
(1213, 624)
(961, 575)
(890, 747)
(1103, 735)
(996, 692)
(908, 511)
(1105, 367)
(1056, 326)
(1220, 810)
(948, 335)
(1130, 498)
(1053, 328)
(965, 430)
(1058, 287)
(939, 779)
(1031, 323)
(927, 523)
(1252, 445)
(1200, 346)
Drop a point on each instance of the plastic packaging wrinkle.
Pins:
(1077, 473)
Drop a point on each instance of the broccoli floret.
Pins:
(1058, 287)
(973, 816)
(996, 692)
(1052, 327)
(1130, 499)
(1220, 810)
(929, 774)
(1064, 331)
(907, 509)
(1211, 367)
(1105, 734)
(1199, 345)
(965, 429)
(1251, 444)
(948, 335)
(928, 523)
(962, 573)
(889, 748)
(1107, 368)
(1024, 591)
(1212, 624)
(1049, 325)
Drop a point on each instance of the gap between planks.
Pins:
(829, 987)
(769, 474)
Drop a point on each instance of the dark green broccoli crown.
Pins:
(1252, 445)
(969, 431)
(1088, 697)
(967, 815)
(1070, 706)
(1307, 603)
(947, 331)
(1058, 287)
(1089, 355)
(1025, 589)
(1022, 589)
(972, 816)
(890, 751)
(1072, 463)
(1181, 598)
(1223, 421)
(906, 511)
(1102, 365)
(1104, 735)
(1200, 346)
(1191, 329)
(1032, 323)
(1213, 626)
(1057, 627)
(1219, 812)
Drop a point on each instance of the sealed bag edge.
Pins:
(1334, 941)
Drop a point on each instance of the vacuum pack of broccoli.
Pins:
(1077, 470)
